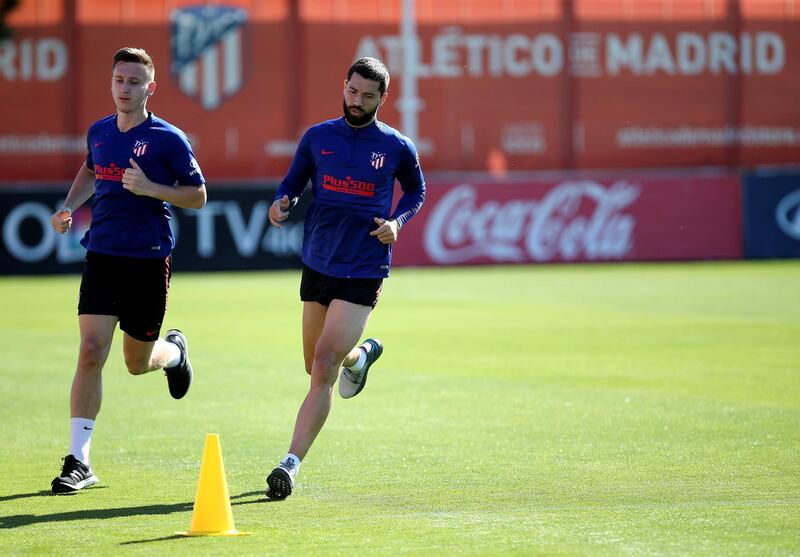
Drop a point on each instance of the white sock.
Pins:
(80, 438)
(292, 461)
(361, 361)
(174, 354)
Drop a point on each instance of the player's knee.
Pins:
(92, 354)
(325, 368)
(325, 358)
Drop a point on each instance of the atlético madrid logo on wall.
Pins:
(207, 52)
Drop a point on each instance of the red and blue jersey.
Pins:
(123, 223)
(352, 173)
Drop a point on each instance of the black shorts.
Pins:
(132, 288)
(316, 287)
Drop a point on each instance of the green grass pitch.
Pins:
(533, 410)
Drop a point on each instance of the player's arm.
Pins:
(412, 183)
(81, 190)
(189, 197)
(292, 186)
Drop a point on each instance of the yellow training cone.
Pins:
(212, 514)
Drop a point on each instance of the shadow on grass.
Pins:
(260, 495)
(161, 539)
(235, 500)
(42, 493)
(15, 521)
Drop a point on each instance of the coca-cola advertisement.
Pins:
(630, 218)
(559, 219)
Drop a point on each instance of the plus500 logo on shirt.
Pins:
(348, 185)
(112, 172)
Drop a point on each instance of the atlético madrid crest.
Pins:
(377, 159)
(140, 147)
(207, 52)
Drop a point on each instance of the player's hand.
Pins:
(279, 211)
(61, 220)
(387, 230)
(135, 181)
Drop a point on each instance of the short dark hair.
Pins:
(136, 55)
(371, 68)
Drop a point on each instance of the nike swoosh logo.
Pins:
(88, 428)
(98, 144)
(326, 152)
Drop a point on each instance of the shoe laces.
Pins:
(72, 469)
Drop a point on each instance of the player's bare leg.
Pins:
(97, 332)
(343, 324)
(170, 353)
(313, 323)
(143, 357)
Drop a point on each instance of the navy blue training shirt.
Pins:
(123, 223)
(352, 173)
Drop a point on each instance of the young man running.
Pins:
(136, 166)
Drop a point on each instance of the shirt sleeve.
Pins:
(300, 172)
(183, 163)
(89, 158)
(412, 182)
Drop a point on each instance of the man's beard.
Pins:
(358, 120)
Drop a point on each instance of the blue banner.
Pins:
(772, 214)
(232, 232)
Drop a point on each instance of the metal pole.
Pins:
(733, 87)
(72, 39)
(409, 104)
(569, 92)
(297, 83)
